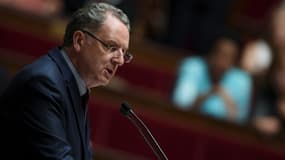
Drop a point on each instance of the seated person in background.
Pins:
(260, 50)
(212, 85)
(269, 108)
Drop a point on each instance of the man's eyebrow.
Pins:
(112, 42)
(115, 44)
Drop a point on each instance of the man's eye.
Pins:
(113, 48)
(124, 51)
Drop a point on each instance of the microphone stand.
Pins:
(144, 131)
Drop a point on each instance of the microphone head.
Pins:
(125, 108)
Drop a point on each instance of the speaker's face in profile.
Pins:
(102, 52)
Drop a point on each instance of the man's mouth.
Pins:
(110, 71)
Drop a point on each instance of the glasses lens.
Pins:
(128, 57)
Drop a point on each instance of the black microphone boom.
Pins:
(144, 131)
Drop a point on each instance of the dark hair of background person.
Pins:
(225, 33)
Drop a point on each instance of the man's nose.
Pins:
(119, 58)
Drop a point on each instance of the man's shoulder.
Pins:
(193, 60)
(237, 72)
(238, 78)
(44, 68)
(193, 65)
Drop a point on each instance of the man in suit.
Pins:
(43, 110)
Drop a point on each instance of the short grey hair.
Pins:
(92, 16)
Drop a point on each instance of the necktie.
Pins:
(85, 99)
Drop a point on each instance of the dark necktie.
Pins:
(84, 100)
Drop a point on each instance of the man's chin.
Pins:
(105, 82)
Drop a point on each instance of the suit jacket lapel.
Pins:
(78, 110)
(73, 93)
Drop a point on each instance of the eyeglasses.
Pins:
(110, 47)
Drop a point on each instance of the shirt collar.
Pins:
(79, 81)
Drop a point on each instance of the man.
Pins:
(44, 110)
(213, 85)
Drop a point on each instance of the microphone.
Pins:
(144, 131)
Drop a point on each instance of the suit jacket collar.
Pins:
(73, 93)
(79, 81)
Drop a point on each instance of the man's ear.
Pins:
(78, 40)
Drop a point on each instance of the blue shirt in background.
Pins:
(194, 80)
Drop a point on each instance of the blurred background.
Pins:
(208, 77)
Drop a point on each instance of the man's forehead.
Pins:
(114, 29)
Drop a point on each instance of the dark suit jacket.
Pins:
(41, 113)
